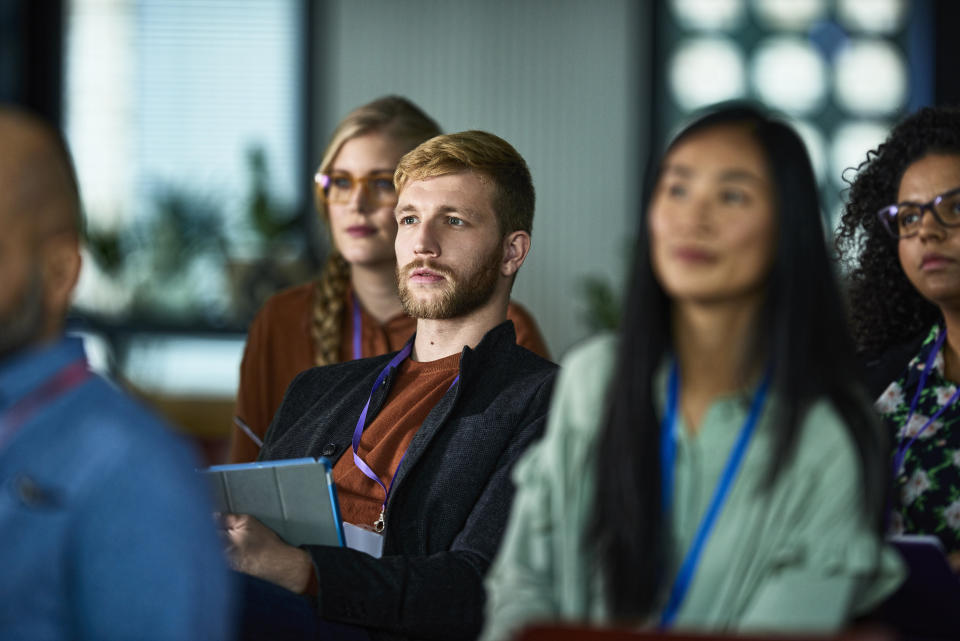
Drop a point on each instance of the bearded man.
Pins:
(429, 477)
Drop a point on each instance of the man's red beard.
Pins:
(457, 295)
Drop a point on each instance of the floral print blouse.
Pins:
(927, 488)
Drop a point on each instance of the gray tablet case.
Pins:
(296, 498)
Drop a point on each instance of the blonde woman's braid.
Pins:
(328, 303)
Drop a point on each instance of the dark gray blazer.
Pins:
(451, 496)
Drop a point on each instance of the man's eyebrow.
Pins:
(460, 209)
(463, 210)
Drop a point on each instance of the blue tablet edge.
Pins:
(334, 502)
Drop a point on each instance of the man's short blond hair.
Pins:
(486, 154)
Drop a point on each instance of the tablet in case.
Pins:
(296, 498)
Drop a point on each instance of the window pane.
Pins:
(789, 74)
(706, 70)
(871, 77)
(183, 117)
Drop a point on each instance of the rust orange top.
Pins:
(417, 390)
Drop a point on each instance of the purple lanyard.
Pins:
(361, 423)
(60, 383)
(668, 450)
(357, 329)
(905, 447)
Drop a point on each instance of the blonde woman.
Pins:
(352, 310)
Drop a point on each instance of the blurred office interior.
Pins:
(196, 126)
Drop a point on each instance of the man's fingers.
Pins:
(234, 532)
(233, 521)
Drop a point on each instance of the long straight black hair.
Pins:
(800, 328)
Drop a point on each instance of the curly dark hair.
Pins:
(885, 308)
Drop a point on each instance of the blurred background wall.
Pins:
(559, 80)
(196, 126)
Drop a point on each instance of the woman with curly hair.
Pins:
(900, 237)
(352, 310)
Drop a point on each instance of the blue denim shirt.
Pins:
(105, 531)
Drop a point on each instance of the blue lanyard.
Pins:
(903, 448)
(357, 328)
(668, 450)
(361, 424)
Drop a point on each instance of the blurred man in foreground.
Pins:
(104, 531)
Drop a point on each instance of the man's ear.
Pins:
(516, 246)
(61, 269)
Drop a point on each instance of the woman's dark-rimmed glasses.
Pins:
(903, 220)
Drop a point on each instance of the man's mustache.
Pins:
(421, 263)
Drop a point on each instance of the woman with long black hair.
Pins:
(715, 466)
